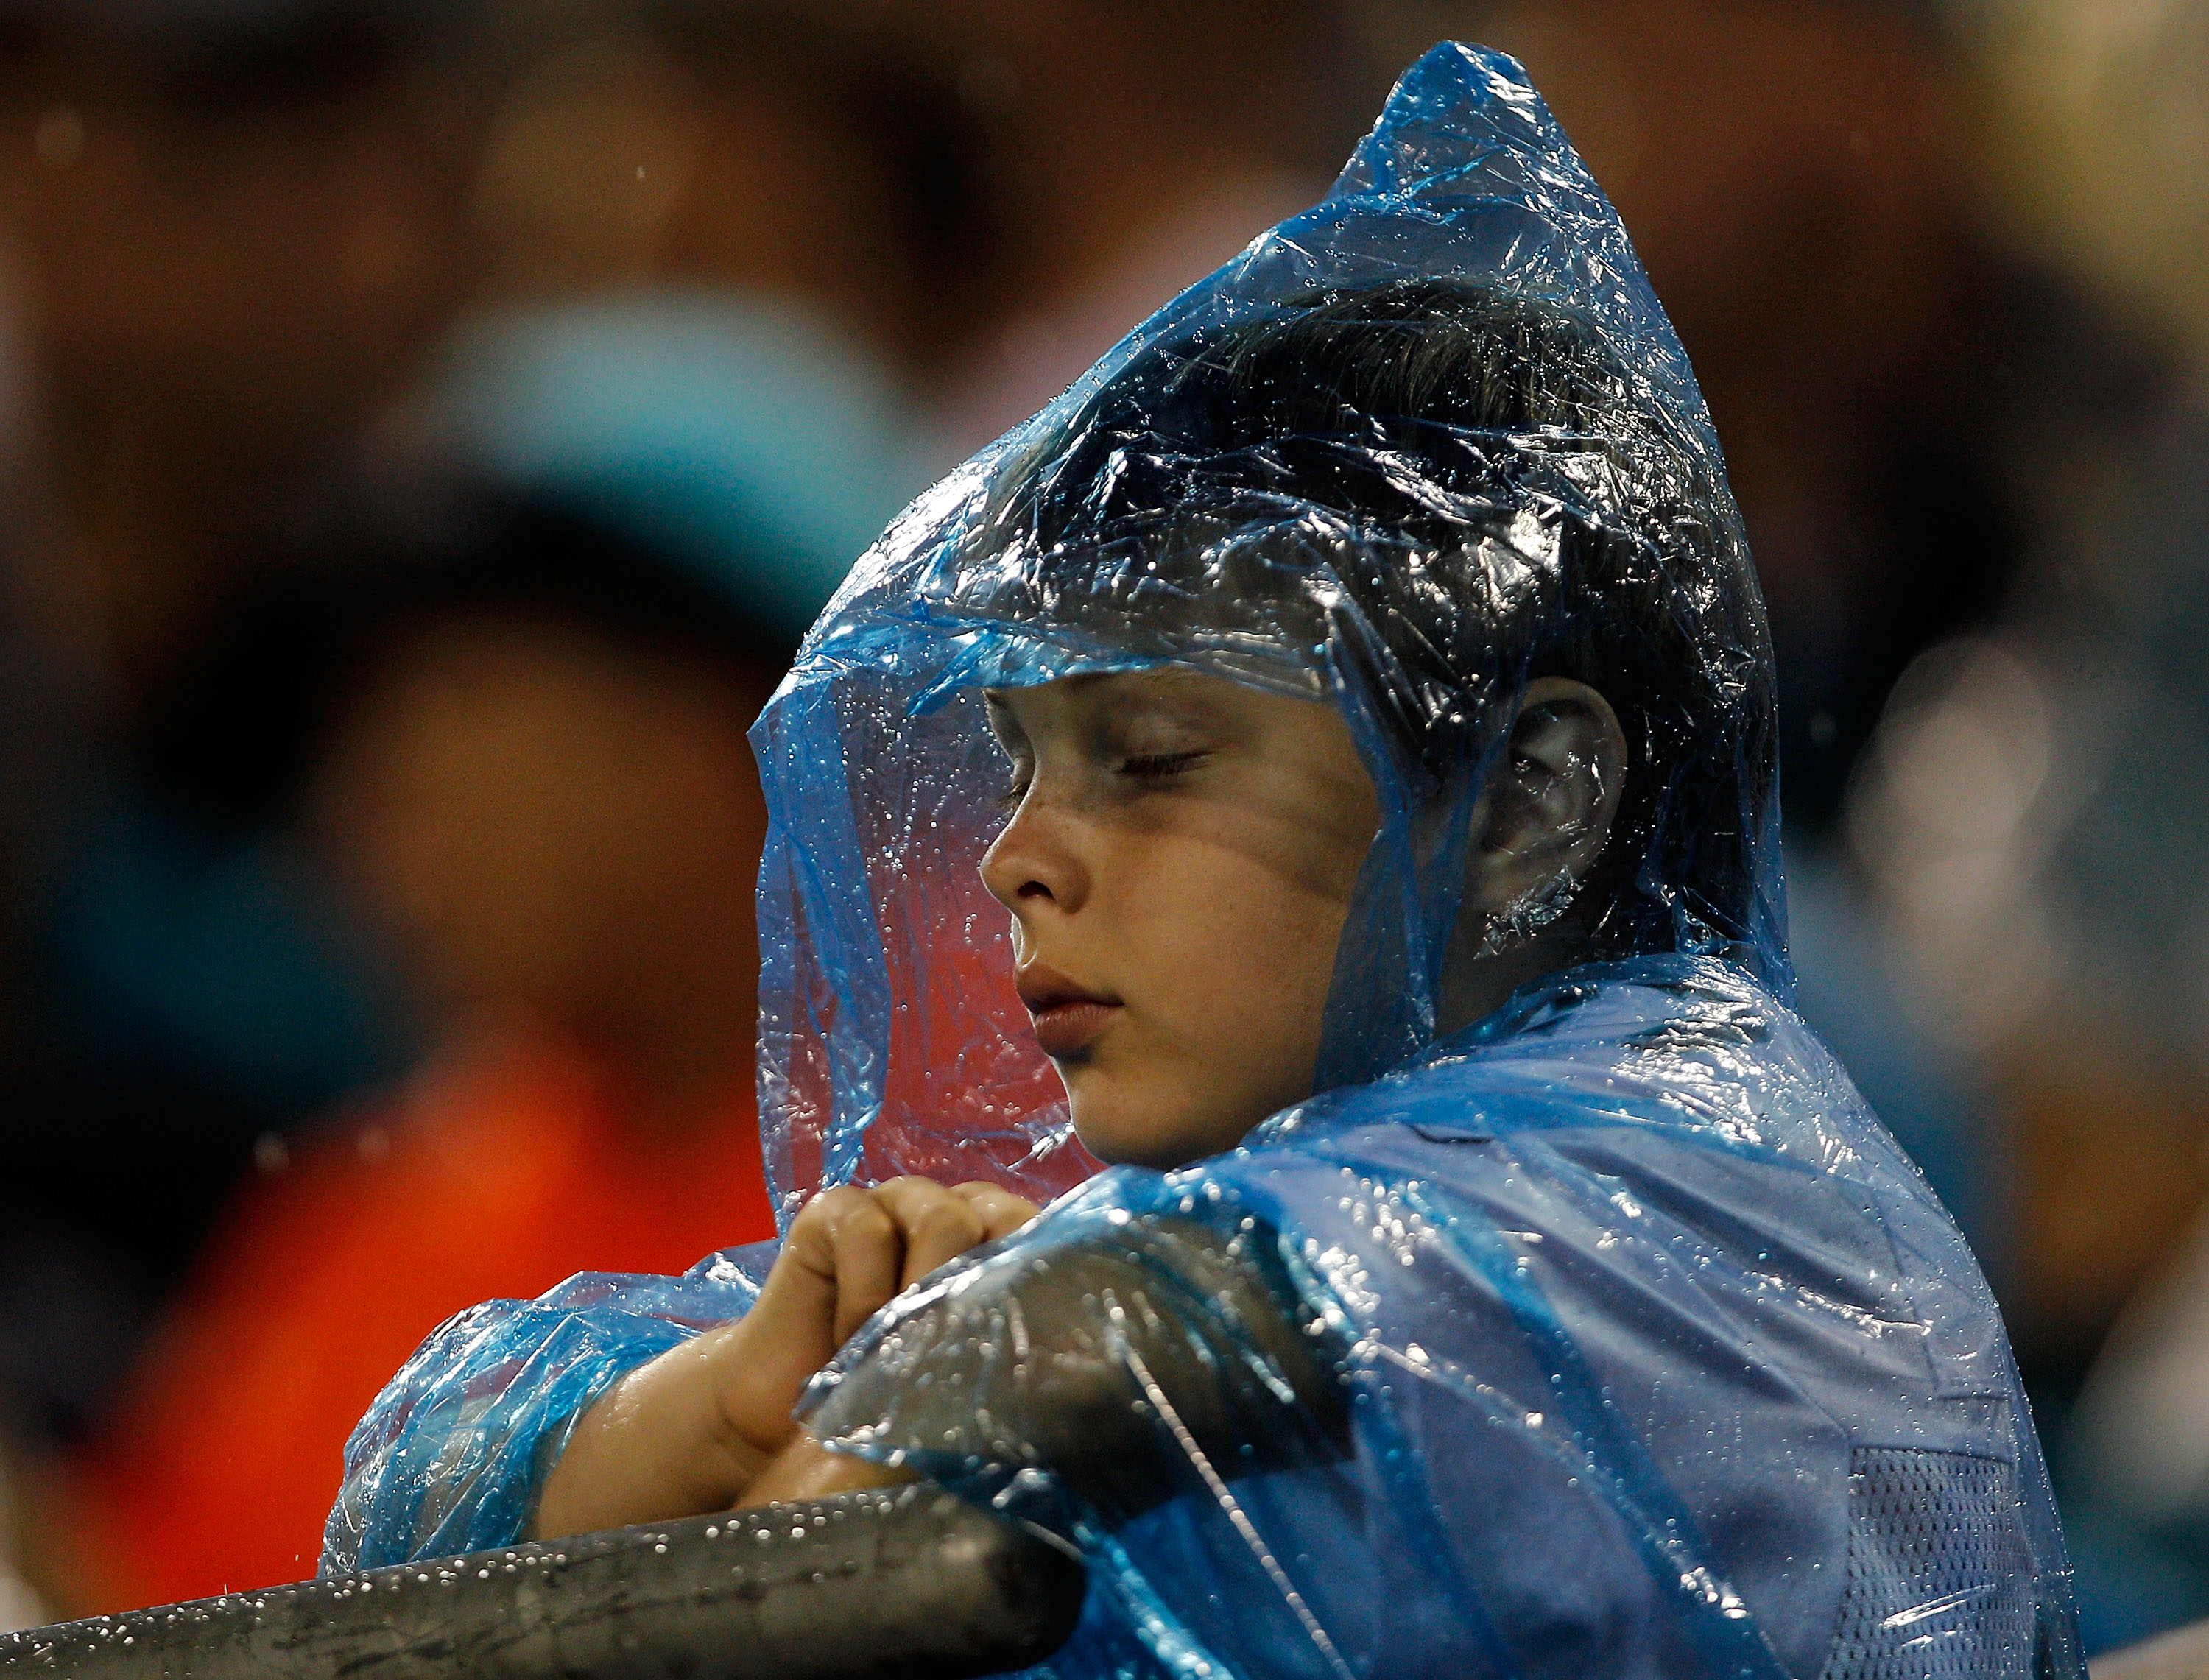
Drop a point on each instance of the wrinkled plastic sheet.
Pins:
(1624, 1338)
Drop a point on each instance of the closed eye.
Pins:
(1159, 767)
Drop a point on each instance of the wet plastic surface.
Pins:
(1659, 1357)
(1626, 1342)
(909, 1583)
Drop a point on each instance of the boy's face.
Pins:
(1179, 864)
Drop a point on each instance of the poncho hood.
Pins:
(1243, 487)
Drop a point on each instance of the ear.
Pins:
(1550, 798)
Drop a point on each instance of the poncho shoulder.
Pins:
(1660, 1356)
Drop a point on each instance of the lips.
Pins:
(1067, 1017)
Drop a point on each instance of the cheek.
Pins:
(1227, 987)
(1237, 956)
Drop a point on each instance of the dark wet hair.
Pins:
(1478, 473)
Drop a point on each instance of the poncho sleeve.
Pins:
(452, 1455)
(1349, 1492)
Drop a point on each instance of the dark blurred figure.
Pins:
(506, 724)
(721, 237)
(525, 750)
(236, 228)
(771, 149)
(233, 231)
(656, 252)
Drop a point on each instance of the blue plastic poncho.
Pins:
(1645, 1349)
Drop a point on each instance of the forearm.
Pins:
(452, 1456)
(656, 1446)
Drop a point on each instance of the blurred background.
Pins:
(427, 425)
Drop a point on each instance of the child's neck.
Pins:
(1475, 987)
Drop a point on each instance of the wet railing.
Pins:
(904, 1585)
(908, 1583)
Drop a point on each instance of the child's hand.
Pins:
(691, 1431)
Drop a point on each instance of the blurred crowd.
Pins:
(427, 426)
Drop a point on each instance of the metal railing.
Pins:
(908, 1582)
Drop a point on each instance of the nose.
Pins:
(1037, 862)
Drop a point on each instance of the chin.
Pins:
(1115, 1150)
(1122, 1129)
